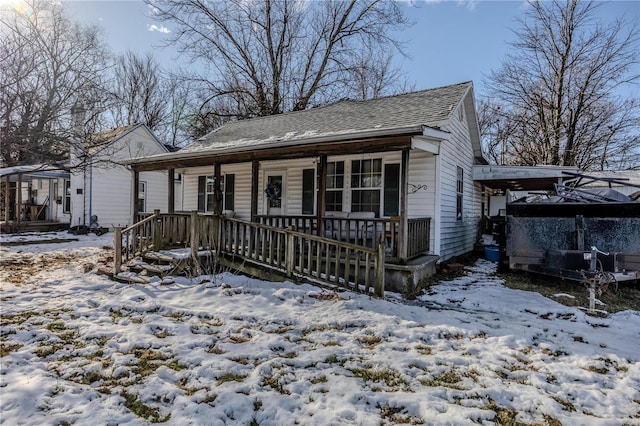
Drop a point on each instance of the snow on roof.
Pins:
(426, 107)
(39, 169)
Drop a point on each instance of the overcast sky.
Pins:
(450, 42)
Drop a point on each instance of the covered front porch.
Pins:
(32, 198)
(375, 193)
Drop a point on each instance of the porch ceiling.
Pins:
(351, 146)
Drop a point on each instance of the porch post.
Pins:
(216, 190)
(171, 207)
(320, 199)
(19, 198)
(255, 166)
(7, 198)
(404, 211)
(136, 199)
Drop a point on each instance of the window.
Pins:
(335, 184)
(229, 191)
(366, 183)
(459, 192)
(67, 196)
(206, 187)
(142, 195)
(308, 176)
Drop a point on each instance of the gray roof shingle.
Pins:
(426, 107)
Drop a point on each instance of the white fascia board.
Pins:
(426, 145)
(430, 140)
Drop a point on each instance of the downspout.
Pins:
(90, 191)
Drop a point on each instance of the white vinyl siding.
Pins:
(457, 236)
(109, 187)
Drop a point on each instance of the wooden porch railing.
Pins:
(349, 253)
(299, 254)
(133, 240)
(293, 253)
(301, 223)
(364, 232)
(419, 232)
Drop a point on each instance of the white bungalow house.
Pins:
(395, 170)
(96, 181)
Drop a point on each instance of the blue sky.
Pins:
(450, 42)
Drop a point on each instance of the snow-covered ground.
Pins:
(80, 349)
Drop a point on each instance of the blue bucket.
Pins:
(492, 253)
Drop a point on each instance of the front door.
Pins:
(274, 193)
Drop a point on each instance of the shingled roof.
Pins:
(426, 107)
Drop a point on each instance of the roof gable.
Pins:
(99, 141)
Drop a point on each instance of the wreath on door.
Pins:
(273, 191)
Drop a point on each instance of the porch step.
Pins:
(133, 278)
(152, 270)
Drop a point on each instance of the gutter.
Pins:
(279, 143)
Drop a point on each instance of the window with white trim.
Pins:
(66, 207)
(334, 186)
(459, 193)
(366, 185)
(142, 197)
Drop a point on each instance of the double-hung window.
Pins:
(366, 185)
(459, 193)
(335, 185)
(206, 193)
(67, 196)
(142, 195)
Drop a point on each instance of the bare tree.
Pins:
(48, 64)
(139, 93)
(553, 98)
(266, 57)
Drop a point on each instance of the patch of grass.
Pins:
(424, 350)
(332, 343)
(46, 350)
(230, 377)
(627, 296)
(504, 416)
(395, 415)
(370, 341)
(566, 404)
(239, 360)
(446, 379)
(275, 384)
(91, 377)
(161, 334)
(56, 326)
(148, 361)
(6, 349)
(176, 365)
(257, 404)
(140, 409)
(392, 378)
(237, 338)
(318, 379)
(332, 359)
(214, 349)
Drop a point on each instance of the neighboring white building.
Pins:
(104, 186)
